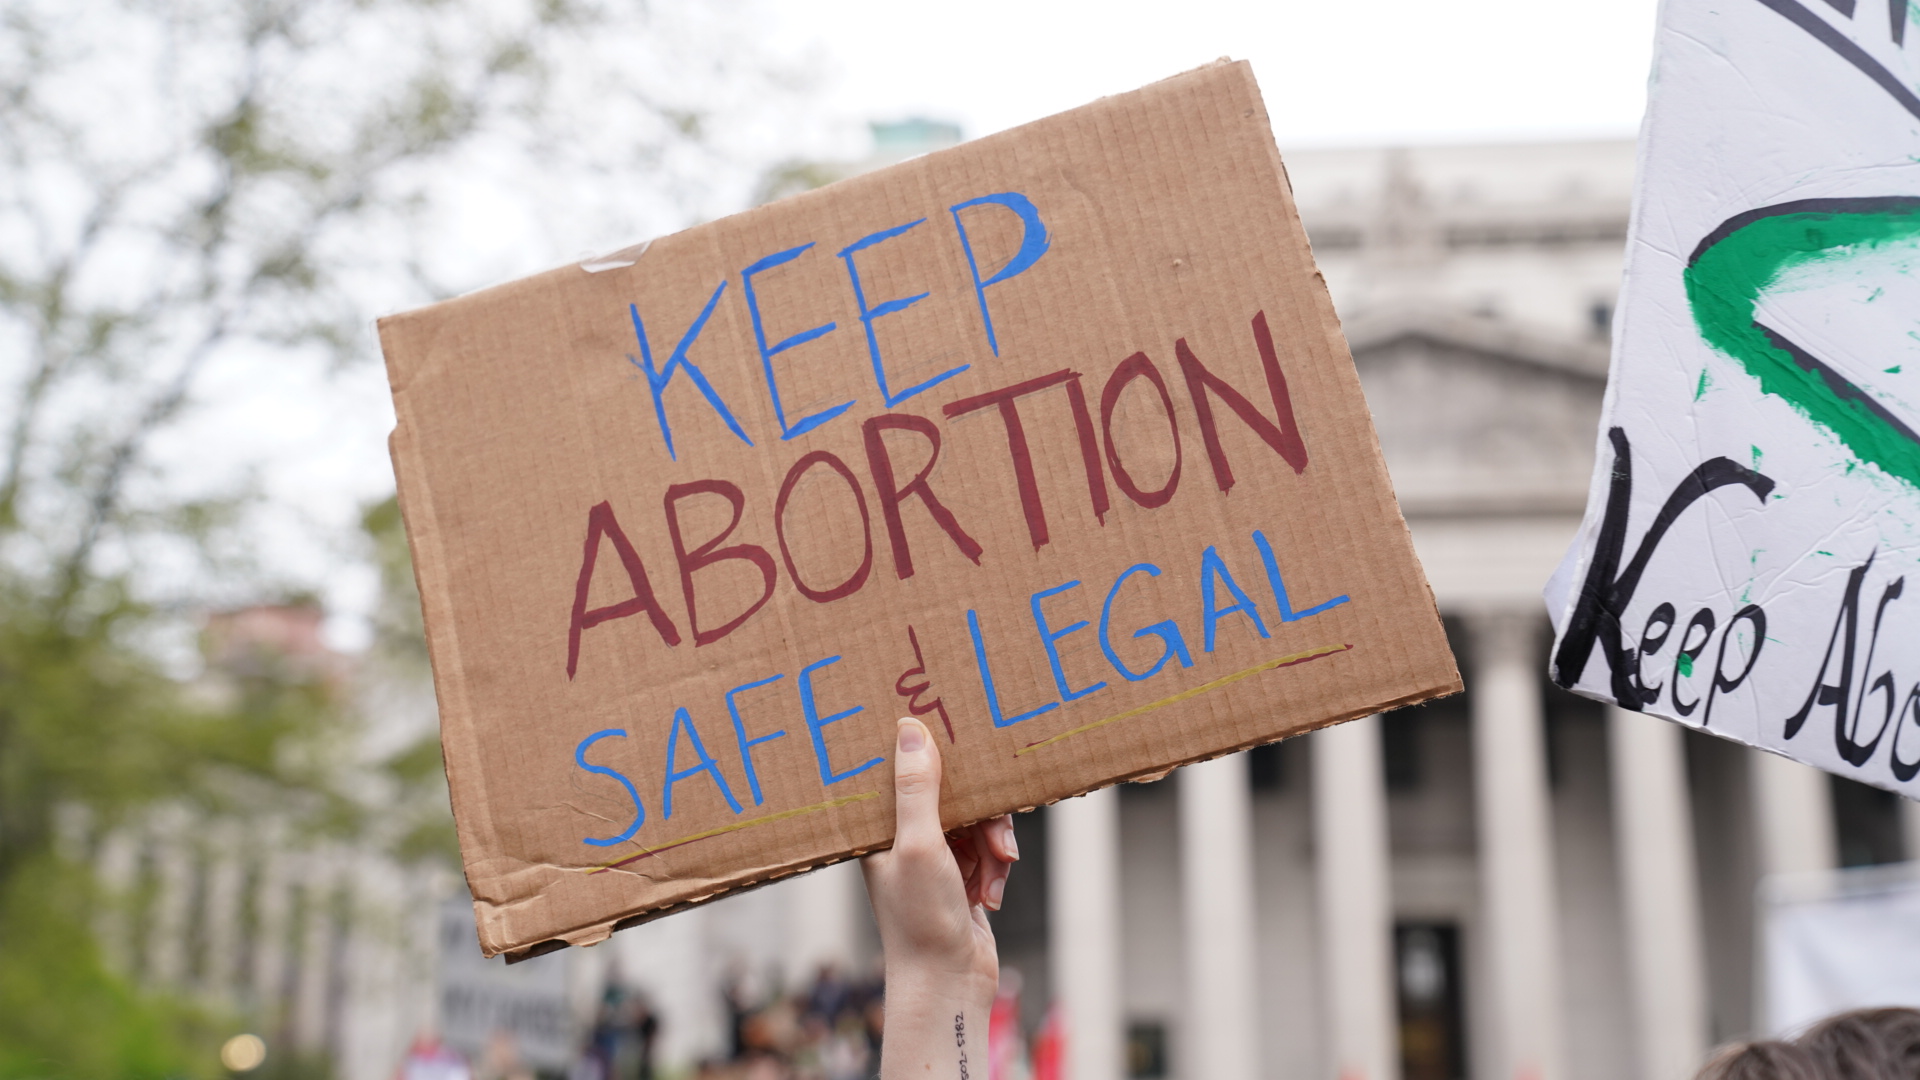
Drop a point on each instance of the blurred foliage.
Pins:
(793, 177)
(93, 730)
(87, 721)
(400, 635)
(63, 1012)
(193, 185)
(241, 182)
(208, 183)
(420, 819)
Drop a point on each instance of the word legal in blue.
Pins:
(1216, 584)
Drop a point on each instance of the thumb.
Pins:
(916, 784)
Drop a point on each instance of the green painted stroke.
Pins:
(1746, 256)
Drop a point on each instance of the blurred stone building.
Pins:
(1506, 885)
(307, 924)
(1511, 884)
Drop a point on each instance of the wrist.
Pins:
(939, 965)
(927, 989)
(936, 1026)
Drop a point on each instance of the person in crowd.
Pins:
(1866, 1044)
(931, 893)
(620, 1044)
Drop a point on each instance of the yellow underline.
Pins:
(736, 827)
(1203, 688)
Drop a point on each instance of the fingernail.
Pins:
(913, 737)
(995, 891)
(1013, 846)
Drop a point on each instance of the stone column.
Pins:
(1660, 894)
(1793, 807)
(170, 913)
(308, 1012)
(220, 974)
(119, 873)
(1355, 901)
(369, 1020)
(675, 963)
(272, 900)
(823, 929)
(1520, 922)
(1216, 874)
(1083, 931)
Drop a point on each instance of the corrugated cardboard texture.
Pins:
(1051, 439)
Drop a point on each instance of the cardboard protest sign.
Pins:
(1754, 521)
(1050, 439)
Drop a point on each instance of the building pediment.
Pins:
(1479, 416)
(1493, 339)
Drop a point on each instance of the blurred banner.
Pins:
(496, 1014)
(1837, 940)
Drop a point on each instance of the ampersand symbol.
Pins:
(912, 692)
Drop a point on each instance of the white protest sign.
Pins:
(484, 1001)
(1754, 518)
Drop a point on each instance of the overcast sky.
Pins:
(1332, 71)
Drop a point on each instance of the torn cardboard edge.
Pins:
(589, 936)
(616, 260)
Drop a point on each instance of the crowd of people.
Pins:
(930, 896)
(832, 1031)
(829, 1030)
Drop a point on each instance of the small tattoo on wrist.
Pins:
(960, 1040)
